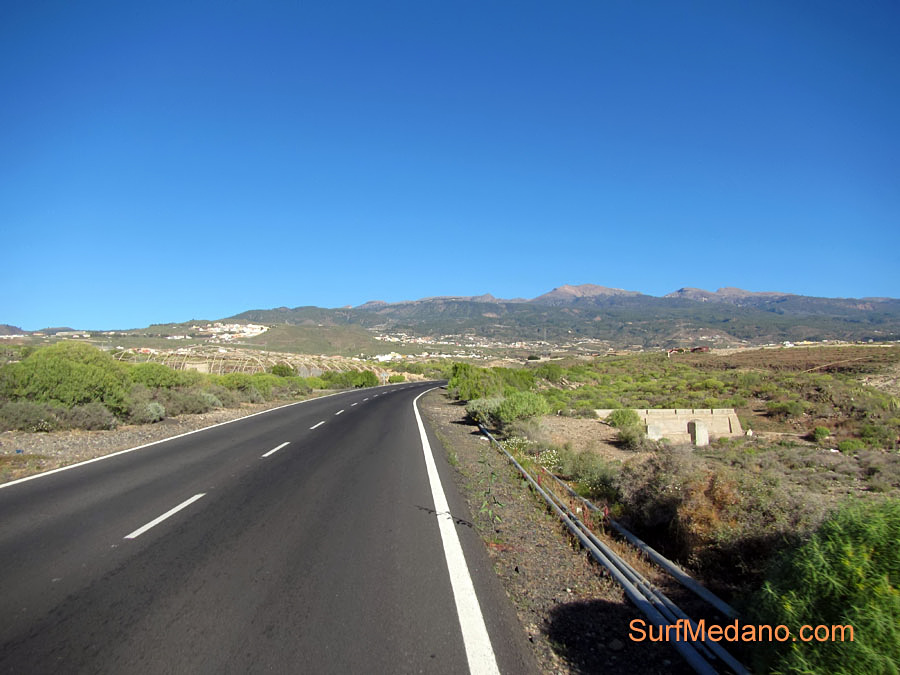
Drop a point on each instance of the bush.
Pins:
(819, 434)
(785, 408)
(148, 412)
(520, 405)
(848, 573)
(851, 445)
(227, 398)
(68, 373)
(484, 410)
(282, 370)
(632, 437)
(235, 381)
(211, 399)
(552, 372)
(316, 383)
(596, 478)
(154, 376)
(623, 418)
(27, 416)
(396, 379)
(37, 417)
(185, 401)
(365, 378)
(468, 382)
(90, 416)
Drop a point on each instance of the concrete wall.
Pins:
(675, 424)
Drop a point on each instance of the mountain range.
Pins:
(619, 317)
(614, 316)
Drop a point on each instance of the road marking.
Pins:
(352, 404)
(164, 440)
(479, 652)
(366, 398)
(274, 450)
(316, 426)
(168, 514)
(338, 413)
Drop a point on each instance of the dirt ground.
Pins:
(576, 618)
(837, 359)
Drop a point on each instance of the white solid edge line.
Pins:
(164, 440)
(316, 426)
(274, 450)
(168, 514)
(479, 652)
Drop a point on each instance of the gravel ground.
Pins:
(24, 454)
(575, 618)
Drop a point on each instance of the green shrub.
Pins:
(847, 574)
(68, 373)
(27, 416)
(37, 417)
(552, 372)
(155, 376)
(90, 416)
(596, 478)
(148, 412)
(819, 434)
(316, 383)
(265, 383)
(235, 381)
(468, 382)
(396, 379)
(785, 408)
(851, 445)
(623, 417)
(632, 437)
(365, 378)
(184, 401)
(484, 410)
(282, 370)
(877, 435)
(211, 399)
(226, 397)
(520, 405)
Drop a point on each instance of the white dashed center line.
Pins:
(274, 450)
(316, 426)
(338, 413)
(353, 404)
(168, 514)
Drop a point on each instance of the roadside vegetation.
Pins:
(72, 385)
(797, 525)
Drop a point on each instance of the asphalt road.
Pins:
(326, 554)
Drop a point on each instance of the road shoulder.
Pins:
(574, 619)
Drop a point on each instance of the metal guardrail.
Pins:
(653, 604)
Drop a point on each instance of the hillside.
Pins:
(617, 316)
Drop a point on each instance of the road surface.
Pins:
(304, 539)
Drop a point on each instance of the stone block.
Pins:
(699, 433)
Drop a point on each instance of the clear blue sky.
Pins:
(163, 161)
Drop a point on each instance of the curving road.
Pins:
(304, 539)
